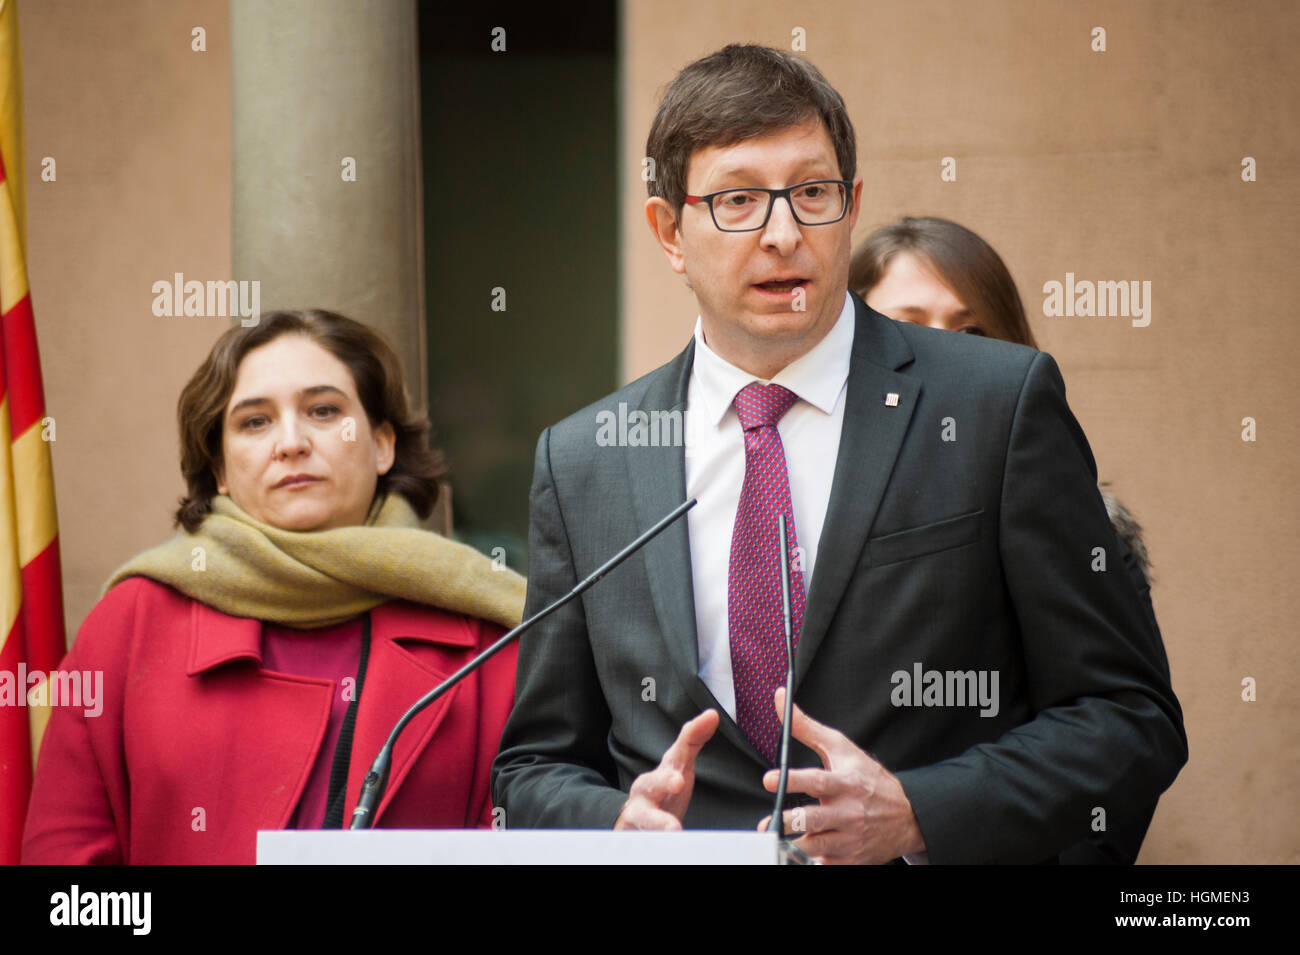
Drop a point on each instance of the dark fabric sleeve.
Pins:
(554, 769)
(1121, 841)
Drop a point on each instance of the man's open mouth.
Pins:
(784, 285)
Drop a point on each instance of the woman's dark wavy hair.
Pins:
(376, 372)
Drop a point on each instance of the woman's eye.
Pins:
(256, 421)
(324, 411)
(972, 330)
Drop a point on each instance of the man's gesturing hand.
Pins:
(658, 799)
(864, 816)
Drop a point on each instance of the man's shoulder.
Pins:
(656, 391)
(978, 355)
(972, 367)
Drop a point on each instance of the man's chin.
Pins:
(781, 334)
(781, 324)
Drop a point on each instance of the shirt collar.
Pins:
(817, 377)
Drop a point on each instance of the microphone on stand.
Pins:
(790, 854)
(376, 781)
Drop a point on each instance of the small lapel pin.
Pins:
(891, 400)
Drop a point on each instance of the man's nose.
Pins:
(782, 230)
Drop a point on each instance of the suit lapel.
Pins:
(870, 440)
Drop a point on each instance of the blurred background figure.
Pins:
(930, 271)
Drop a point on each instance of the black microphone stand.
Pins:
(790, 854)
(376, 781)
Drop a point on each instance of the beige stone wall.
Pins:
(138, 124)
(1123, 164)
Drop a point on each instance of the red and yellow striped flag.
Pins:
(31, 598)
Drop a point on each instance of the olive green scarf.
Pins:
(308, 579)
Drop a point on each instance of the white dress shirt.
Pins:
(715, 471)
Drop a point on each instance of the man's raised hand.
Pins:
(864, 815)
(658, 799)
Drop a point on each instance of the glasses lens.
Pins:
(819, 202)
(739, 208)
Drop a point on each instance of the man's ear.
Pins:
(385, 447)
(857, 202)
(667, 231)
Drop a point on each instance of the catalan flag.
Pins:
(31, 598)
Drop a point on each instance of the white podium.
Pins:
(514, 847)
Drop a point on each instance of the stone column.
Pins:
(326, 179)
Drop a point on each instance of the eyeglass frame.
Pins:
(773, 195)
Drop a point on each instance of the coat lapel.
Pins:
(396, 678)
(300, 705)
(249, 702)
(870, 440)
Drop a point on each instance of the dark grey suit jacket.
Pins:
(973, 554)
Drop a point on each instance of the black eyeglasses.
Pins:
(819, 202)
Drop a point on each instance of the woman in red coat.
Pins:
(243, 675)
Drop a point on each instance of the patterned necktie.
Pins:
(754, 619)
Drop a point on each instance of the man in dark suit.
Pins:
(970, 678)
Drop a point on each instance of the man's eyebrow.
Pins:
(305, 393)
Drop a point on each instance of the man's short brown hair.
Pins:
(740, 92)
